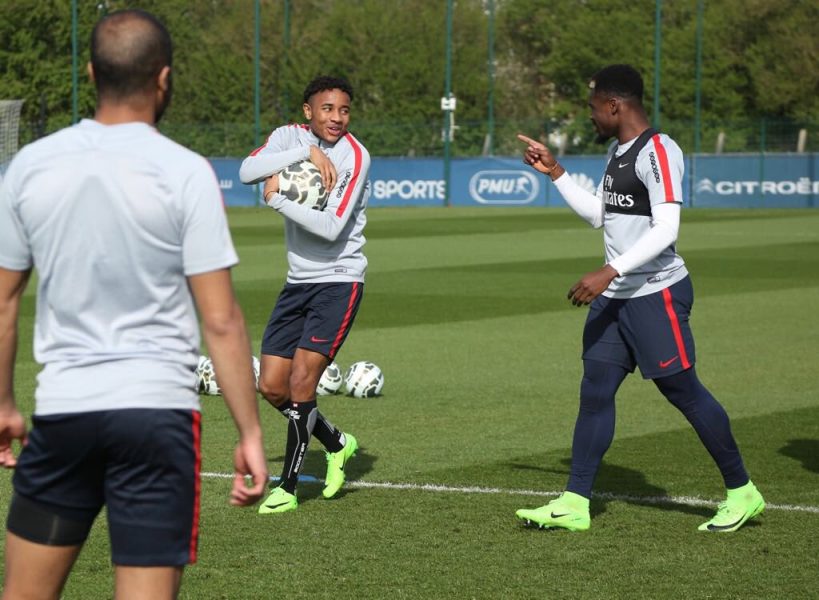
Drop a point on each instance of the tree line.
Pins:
(758, 79)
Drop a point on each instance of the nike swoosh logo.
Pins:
(316, 340)
(665, 363)
(275, 505)
(620, 166)
(554, 516)
(721, 527)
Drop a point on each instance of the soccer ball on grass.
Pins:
(364, 380)
(331, 380)
(301, 182)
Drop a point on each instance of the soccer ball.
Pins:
(206, 377)
(364, 380)
(330, 381)
(301, 182)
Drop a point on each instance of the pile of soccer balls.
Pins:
(362, 379)
(206, 376)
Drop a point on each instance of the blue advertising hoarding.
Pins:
(728, 181)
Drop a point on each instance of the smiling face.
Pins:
(329, 114)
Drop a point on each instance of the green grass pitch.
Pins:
(465, 310)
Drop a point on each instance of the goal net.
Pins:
(9, 129)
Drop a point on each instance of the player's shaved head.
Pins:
(618, 80)
(128, 50)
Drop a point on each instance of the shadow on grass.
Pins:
(806, 451)
(311, 479)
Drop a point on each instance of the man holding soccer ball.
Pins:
(640, 302)
(325, 279)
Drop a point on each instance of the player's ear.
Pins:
(163, 80)
(90, 69)
(308, 112)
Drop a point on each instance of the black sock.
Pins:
(301, 419)
(324, 431)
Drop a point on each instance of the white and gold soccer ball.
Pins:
(364, 379)
(331, 380)
(301, 182)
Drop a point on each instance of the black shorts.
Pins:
(142, 464)
(314, 316)
(650, 331)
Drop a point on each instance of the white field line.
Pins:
(650, 500)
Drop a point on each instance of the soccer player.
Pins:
(325, 281)
(128, 234)
(640, 300)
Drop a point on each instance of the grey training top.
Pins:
(113, 218)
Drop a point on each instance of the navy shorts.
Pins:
(650, 331)
(142, 464)
(314, 316)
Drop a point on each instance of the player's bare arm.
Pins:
(591, 285)
(12, 423)
(329, 176)
(540, 158)
(223, 327)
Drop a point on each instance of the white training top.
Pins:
(638, 204)
(113, 218)
(322, 246)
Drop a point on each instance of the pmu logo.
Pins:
(503, 187)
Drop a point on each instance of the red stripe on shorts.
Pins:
(346, 322)
(662, 158)
(196, 428)
(675, 328)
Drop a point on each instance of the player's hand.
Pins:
(591, 285)
(12, 427)
(539, 157)
(271, 186)
(248, 459)
(325, 167)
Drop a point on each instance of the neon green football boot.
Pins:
(568, 511)
(336, 461)
(278, 501)
(741, 504)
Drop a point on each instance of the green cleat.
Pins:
(741, 504)
(336, 461)
(278, 501)
(568, 511)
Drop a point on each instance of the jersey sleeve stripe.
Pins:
(675, 328)
(356, 173)
(662, 158)
(260, 148)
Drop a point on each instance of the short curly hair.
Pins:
(618, 80)
(326, 82)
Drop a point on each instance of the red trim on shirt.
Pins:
(662, 158)
(348, 193)
(675, 328)
(346, 322)
(196, 428)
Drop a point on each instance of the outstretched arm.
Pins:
(588, 206)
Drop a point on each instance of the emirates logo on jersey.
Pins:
(613, 198)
